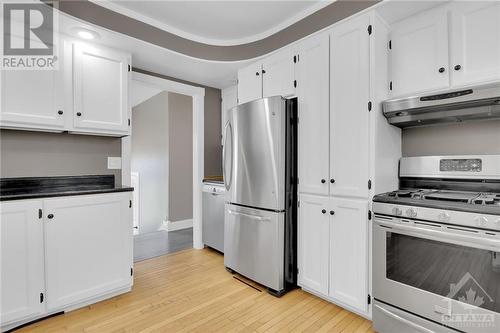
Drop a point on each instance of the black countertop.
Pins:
(45, 187)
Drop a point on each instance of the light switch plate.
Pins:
(114, 162)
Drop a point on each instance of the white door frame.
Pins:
(198, 95)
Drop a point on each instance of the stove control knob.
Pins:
(444, 217)
(397, 211)
(410, 212)
(481, 221)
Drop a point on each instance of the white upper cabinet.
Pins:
(349, 253)
(419, 53)
(32, 99)
(278, 75)
(100, 90)
(250, 83)
(21, 265)
(349, 116)
(314, 242)
(88, 247)
(314, 120)
(475, 42)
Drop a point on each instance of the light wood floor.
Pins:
(190, 291)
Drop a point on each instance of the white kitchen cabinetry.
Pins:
(250, 83)
(475, 42)
(32, 99)
(22, 275)
(278, 74)
(87, 247)
(313, 91)
(349, 115)
(419, 53)
(63, 253)
(274, 76)
(314, 242)
(100, 90)
(349, 252)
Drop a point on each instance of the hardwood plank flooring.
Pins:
(190, 291)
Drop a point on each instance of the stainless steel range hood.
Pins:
(479, 102)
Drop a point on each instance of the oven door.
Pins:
(448, 274)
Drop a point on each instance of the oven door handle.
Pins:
(403, 320)
(442, 235)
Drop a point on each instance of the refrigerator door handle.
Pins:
(227, 181)
(254, 217)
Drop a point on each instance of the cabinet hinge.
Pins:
(370, 29)
(130, 204)
(131, 271)
(369, 106)
(294, 59)
(129, 121)
(390, 85)
(369, 299)
(295, 83)
(40, 213)
(390, 45)
(41, 297)
(369, 184)
(369, 215)
(298, 203)
(129, 68)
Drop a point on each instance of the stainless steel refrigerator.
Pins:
(260, 175)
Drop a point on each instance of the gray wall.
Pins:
(478, 137)
(150, 159)
(213, 147)
(180, 124)
(37, 154)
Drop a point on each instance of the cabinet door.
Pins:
(22, 279)
(32, 99)
(349, 118)
(313, 242)
(314, 120)
(249, 83)
(349, 253)
(419, 49)
(229, 101)
(100, 84)
(88, 247)
(278, 75)
(475, 42)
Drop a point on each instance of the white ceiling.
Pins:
(140, 92)
(217, 22)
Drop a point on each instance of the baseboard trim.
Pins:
(178, 225)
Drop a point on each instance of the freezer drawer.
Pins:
(213, 217)
(254, 244)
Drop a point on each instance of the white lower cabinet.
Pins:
(21, 266)
(63, 253)
(333, 249)
(96, 235)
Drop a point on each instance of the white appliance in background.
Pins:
(213, 215)
(136, 200)
(260, 176)
(436, 247)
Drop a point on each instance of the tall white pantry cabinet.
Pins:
(347, 152)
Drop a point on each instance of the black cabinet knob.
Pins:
(332, 212)
(60, 112)
(79, 114)
(257, 73)
(50, 216)
(323, 181)
(263, 71)
(332, 180)
(458, 67)
(441, 70)
(324, 211)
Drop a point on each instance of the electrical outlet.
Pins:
(114, 162)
